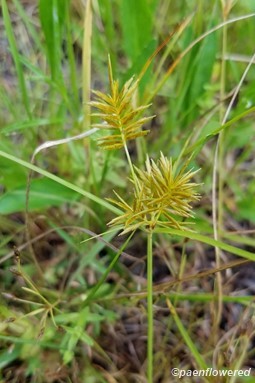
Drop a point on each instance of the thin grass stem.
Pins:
(150, 308)
(130, 165)
(218, 219)
(201, 363)
(86, 64)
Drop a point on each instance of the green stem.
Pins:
(150, 308)
(201, 363)
(130, 165)
(86, 65)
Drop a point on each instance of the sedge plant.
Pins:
(162, 193)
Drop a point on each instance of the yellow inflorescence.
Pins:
(118, 114)
(161, 197)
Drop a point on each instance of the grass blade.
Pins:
(196, 146)
(15, 56)
(187, 339)
(52, 18)
(209, 241)
(71, 57)
(137, 22)
(29, 25)
(67, 184)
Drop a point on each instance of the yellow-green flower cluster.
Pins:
(161, 197)
(120, 117)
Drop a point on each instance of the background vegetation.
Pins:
(204, 281)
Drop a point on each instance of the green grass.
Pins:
(86, 315)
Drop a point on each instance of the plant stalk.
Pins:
(150, 308)
(86, 65)
(219, 165)
(130, 165)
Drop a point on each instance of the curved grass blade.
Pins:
(67, 184)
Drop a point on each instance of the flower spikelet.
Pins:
(118, 114)
(161, 197)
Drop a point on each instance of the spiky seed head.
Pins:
(161, 197)
(120, 117)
